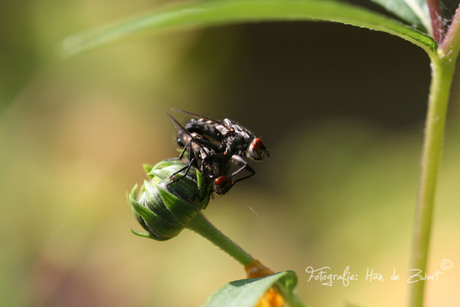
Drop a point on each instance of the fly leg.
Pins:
(186, 168)
(245, 166)
(223, 184)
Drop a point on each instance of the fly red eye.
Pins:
(220, 180)
(257, 144)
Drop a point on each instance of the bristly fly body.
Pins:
(219, 149)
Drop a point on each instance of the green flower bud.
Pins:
(166, 205)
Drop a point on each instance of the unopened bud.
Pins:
(170, 199)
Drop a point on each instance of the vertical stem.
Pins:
(443, 65)
(442, 73)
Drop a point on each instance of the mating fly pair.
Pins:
(218, 149)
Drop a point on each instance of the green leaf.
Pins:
(247, 292)
(414, 12)
(213, 13)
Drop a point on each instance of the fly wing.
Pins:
(185, 138)
(176, 124)
(218, 122)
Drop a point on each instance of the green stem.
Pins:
(202, 226)
(442, 73)
(443, 65)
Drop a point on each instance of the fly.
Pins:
(219, 149)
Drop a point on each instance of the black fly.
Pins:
(219, 149)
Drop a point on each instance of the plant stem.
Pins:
(202, 226)
(442, 73)
(442, 65)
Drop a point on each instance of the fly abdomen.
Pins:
(206, 129)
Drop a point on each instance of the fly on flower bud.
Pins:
(169, 200)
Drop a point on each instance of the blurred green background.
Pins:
(341, 109)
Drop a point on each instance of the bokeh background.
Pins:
(341, 109)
